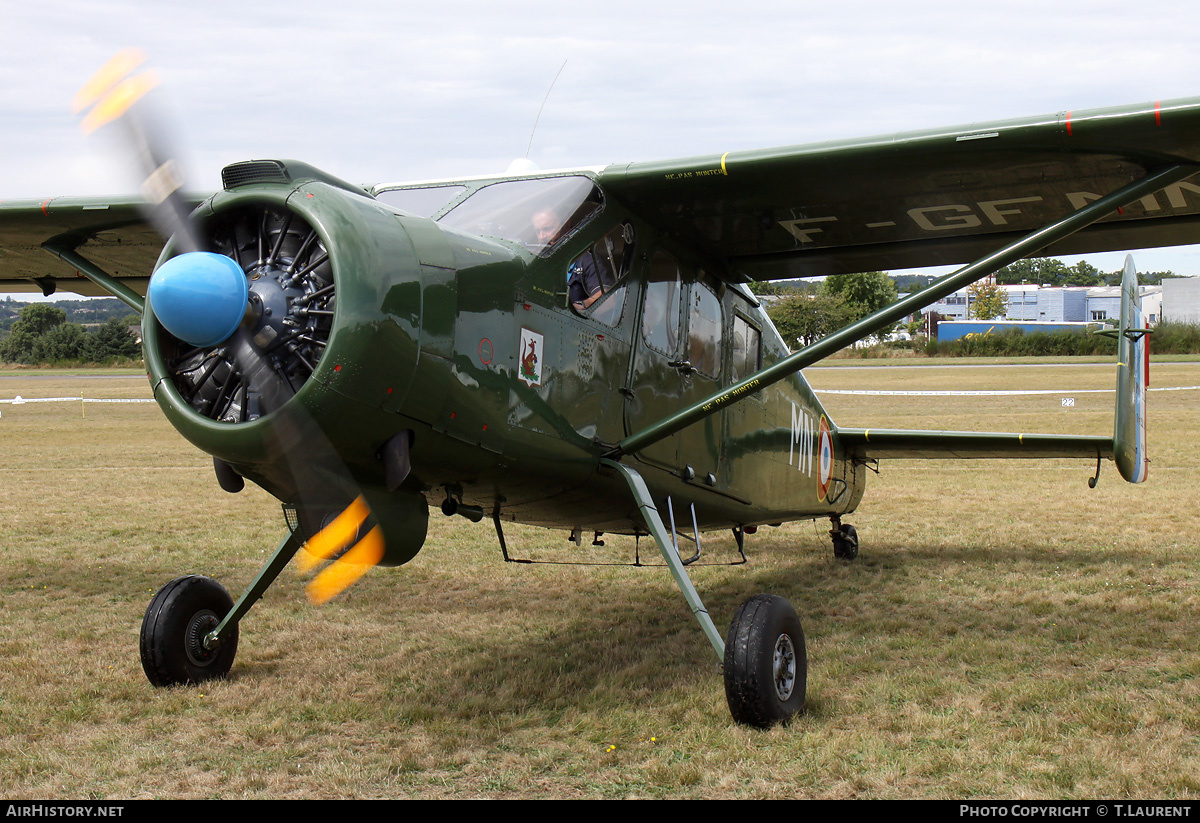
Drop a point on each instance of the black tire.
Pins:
(766, 662)
(173, 630)
(846, 546)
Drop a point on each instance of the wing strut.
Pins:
(872, 323)
(97, 275)
(641, 493)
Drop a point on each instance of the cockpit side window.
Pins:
(539, 214)
(594, 279)
(747, 350)
(704, 331)
(660, 316)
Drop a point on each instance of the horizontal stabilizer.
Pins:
(1127, 446)
(904, 443)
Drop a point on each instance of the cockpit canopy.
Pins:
(536, 213)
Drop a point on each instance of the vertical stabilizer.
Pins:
(1133, 375)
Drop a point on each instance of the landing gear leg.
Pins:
(190, 631)
(764, 659)
(845, 539)
(658, 531)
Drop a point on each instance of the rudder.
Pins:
(1133, 376)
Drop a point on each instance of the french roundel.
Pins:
(825, 460)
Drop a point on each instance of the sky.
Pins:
(391, 91)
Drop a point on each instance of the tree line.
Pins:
(1049, 271)
(42, 334)
(805, 312)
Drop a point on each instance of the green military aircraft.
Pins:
(577, 349)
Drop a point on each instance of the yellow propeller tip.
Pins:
(118, 101)
(111, 73)
(340, 532)
(306, 561)
(347, 569)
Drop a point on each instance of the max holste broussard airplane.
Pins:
(576, 349)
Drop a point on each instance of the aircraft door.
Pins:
(676, 361)
(748, 419)
(701, 443)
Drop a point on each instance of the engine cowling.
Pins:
(292, 397)
(250, 319)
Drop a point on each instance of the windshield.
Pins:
(423, 202)
(538, 214)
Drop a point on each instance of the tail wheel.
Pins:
(845, 542)
(766, 662)
(177, 620)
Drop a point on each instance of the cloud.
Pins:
(379, 91)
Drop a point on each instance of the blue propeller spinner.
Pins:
(200, 297)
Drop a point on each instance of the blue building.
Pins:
(954, 329)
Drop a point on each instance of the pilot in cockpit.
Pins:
(548, 227)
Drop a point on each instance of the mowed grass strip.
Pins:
(1006, 631)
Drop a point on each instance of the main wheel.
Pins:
(766, 663)
(846, 546)
(173, 631)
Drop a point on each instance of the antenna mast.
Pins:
(539, 114)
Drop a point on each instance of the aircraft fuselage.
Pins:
(512, 365)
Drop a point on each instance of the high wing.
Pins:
(112, 234)
(936, 197)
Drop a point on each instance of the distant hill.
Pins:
(904, 283)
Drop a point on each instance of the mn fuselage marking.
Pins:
(800, 448)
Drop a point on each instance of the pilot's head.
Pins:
(547, 227)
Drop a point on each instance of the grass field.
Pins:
(1006, 631)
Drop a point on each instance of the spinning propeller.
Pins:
(248, 301)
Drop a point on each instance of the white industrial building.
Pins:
(1181, 300)
(1104, 303)
(1063, 304)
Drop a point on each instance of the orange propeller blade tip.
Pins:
(118, 101)
(111, 73)
(347, 569)
(339, 533)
